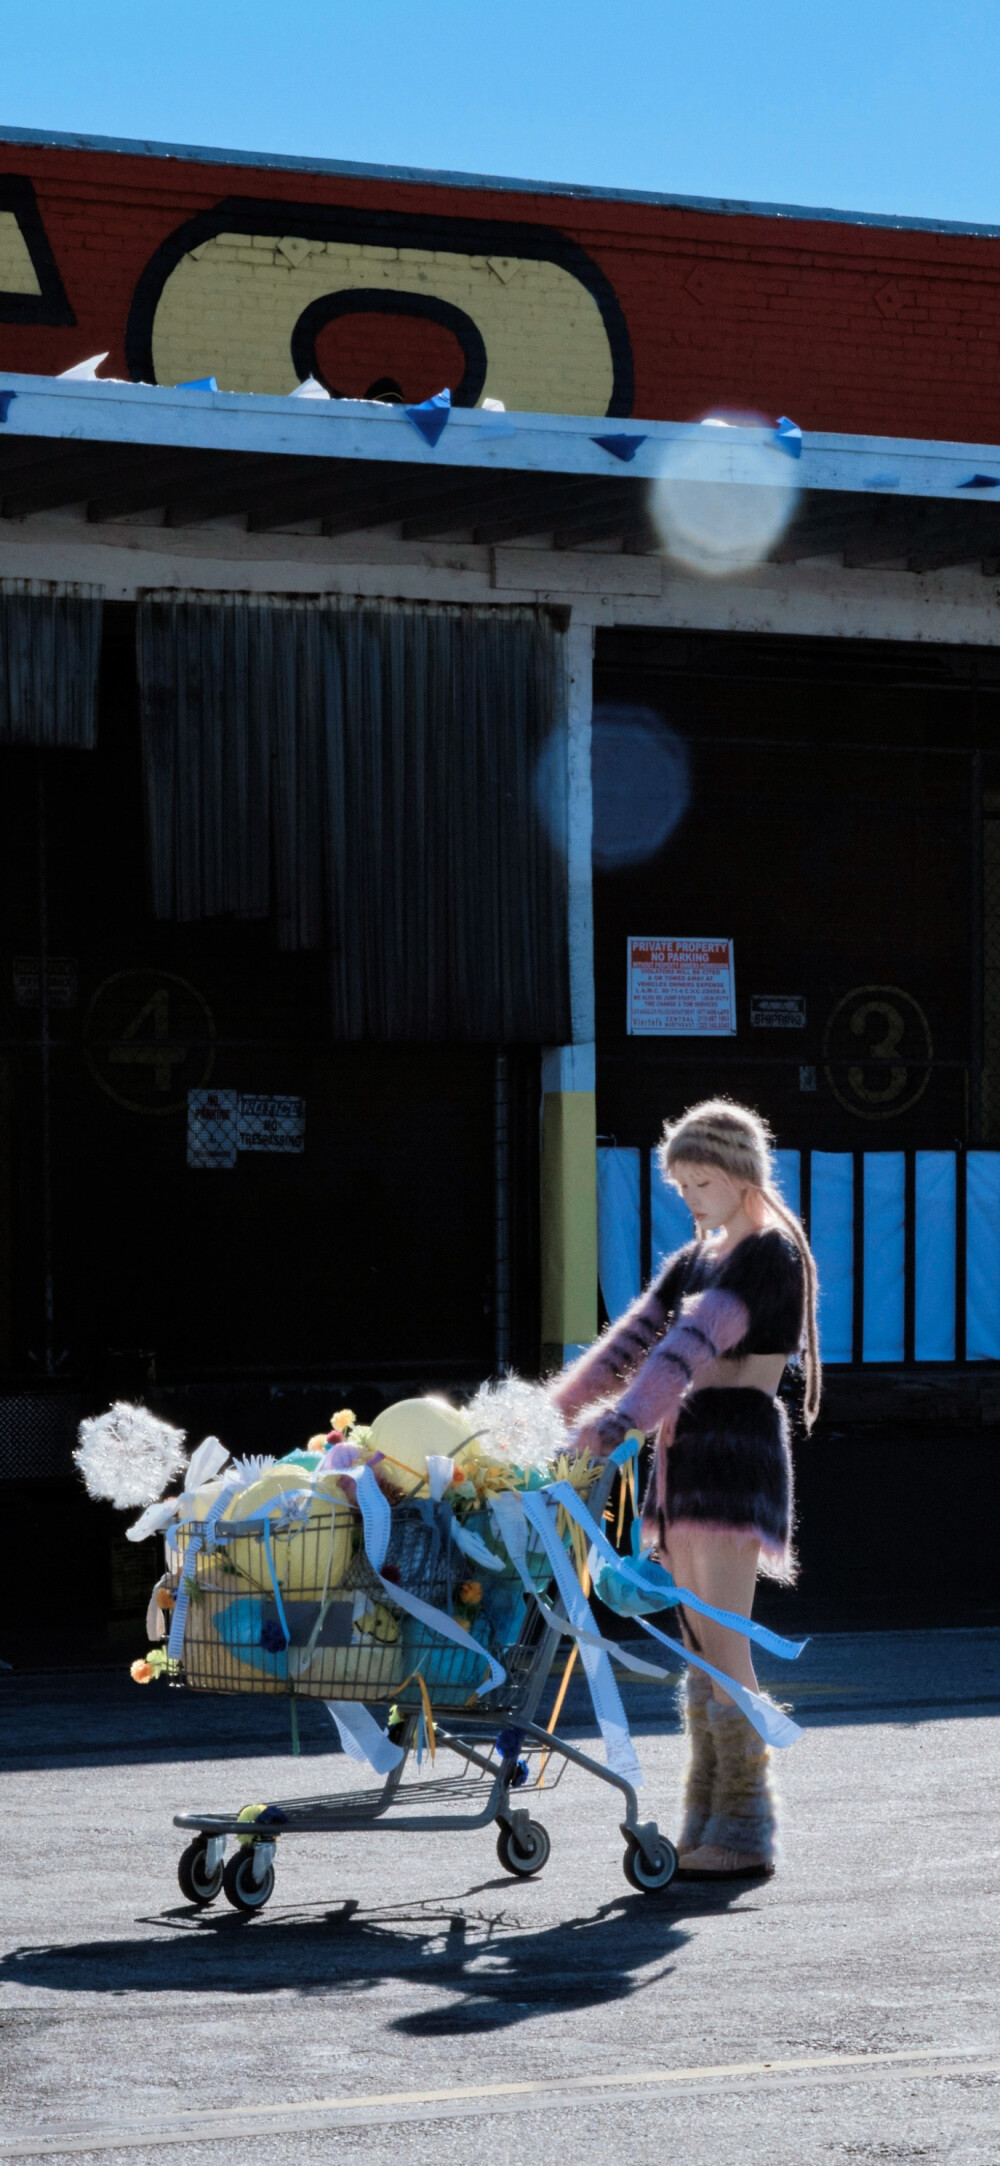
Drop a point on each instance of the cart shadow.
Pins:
(497, 1973)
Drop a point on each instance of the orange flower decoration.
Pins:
(470, 1593)
(142, 1673)
(164, 1600)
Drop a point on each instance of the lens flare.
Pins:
(640, 785)
(720, 506)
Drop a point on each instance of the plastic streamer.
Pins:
(673, 1596)
(376, 1516)
(362, 1737)
(203, 1538)
(512, 1512)
(769, 1721)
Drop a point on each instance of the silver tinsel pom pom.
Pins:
(517, 1421)
(128, 1455)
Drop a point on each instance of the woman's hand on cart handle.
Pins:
(601, 1435)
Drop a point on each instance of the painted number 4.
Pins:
(146, 1042)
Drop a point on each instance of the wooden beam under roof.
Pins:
(538, 511)
(228, 491)
(58, 482)
(145, 486)
(338, 488)
(383, 506)
(459, 507)
(600, 514)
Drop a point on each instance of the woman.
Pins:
(698, 1360)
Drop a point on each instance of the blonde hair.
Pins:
(738, 1142)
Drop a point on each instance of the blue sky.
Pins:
(887, 106)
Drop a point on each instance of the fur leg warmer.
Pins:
(744, 1818)
(699, 1779)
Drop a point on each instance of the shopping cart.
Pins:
(294, 1607)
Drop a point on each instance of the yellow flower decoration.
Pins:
(470, 1593)
(344, 1420)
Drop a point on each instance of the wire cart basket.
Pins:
(294, 1607)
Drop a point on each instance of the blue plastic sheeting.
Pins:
(788, 1178)
(618, 1227)
(982, 1309)
(671, 1223)
(885, 1255)
(934, 1246)
(832, 1240)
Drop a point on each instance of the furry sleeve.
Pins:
(708, 1325)
(605, 1365)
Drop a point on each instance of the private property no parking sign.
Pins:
(681, 988)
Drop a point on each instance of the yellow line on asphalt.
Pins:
(201, 2124)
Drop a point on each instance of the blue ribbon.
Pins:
(673, 1596)
(376, 1519)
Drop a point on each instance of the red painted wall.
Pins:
(844, 327)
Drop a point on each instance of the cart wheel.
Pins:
(521, 1858)
(198, 1885)
(242, 1890)
(649, 1873)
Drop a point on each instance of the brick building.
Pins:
(314, 707)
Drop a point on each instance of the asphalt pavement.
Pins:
(402, 1999)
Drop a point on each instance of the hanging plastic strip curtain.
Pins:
(982, 1326)
(671, 1223)
(934, 1256)
(832, 1241)
(788, 1178)
(884, 1255)
(617, 1226)
(883, 1258)
(369, 777)
(50, 651)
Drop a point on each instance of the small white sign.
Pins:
(213, 1126)
(681, 988)
(270, 1123)
(777, 1011)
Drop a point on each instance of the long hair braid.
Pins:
(812, 1367)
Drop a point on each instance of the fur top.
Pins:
(764, 1271)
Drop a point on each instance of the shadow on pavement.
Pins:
(497, 1973)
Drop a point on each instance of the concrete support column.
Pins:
(569, 1122)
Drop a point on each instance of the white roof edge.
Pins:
(80, 412)
(428, 176)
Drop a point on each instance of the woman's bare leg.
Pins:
(738, 1835)
(722, 1571)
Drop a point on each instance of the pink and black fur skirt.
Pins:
(729, 1466)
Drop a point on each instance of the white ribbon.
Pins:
(362, 1737)
(473, 1547)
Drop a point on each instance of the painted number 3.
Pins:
(887, 1044)
(878, 1049)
